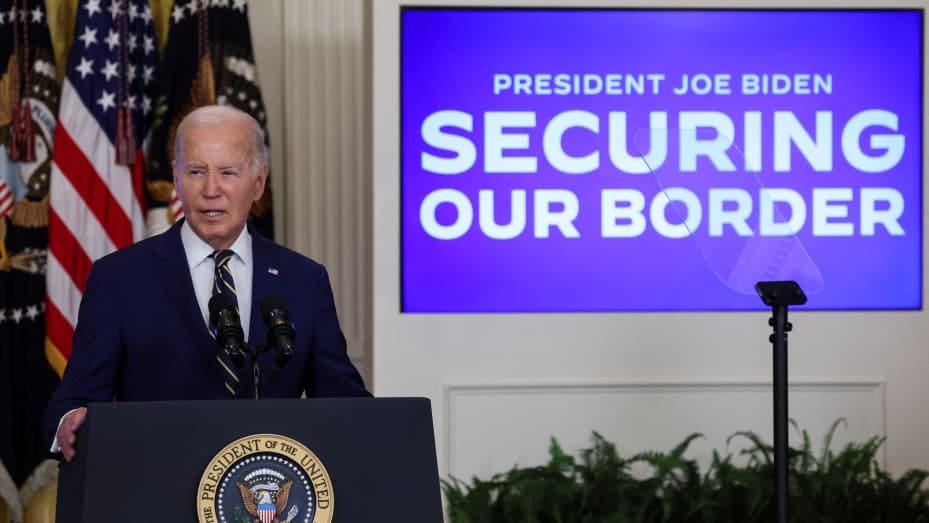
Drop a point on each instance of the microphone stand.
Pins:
(256, 369)
(780, 294)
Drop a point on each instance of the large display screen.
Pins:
(565, 160)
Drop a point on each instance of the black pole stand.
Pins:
(256, 374)
(238, 357)
(779, 295)
(256, 369)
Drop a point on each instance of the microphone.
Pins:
(281, 331)
(229, 333)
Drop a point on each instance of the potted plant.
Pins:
(599, 486)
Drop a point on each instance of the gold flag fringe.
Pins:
(160, 190)
(9, 495)
(34, 491)
(4, 257)
(27, 213)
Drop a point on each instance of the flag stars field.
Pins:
(85, 67)
(109, 70)
(17, 314)
(92, 7)
(32, 311)
(177, 13)
(112, 39)
(36, 15)
(89, 37)
(106, 101)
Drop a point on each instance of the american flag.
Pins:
(96, 202)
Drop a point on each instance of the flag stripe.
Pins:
(81, 125)
(93, 192)
(107, 188)
(76, 262)
(59, 332)
(87, 230)
(67, 296)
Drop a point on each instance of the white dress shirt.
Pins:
(201, 272)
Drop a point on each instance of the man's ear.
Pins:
(260, 183)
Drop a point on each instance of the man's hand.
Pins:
(67, 432)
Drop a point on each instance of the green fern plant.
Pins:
(598, 487)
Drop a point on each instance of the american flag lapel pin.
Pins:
(273, 270)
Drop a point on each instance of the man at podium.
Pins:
(160, 320)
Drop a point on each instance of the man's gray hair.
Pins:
(220, 115)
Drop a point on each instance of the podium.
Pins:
(344, 460)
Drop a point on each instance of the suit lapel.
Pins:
(175, 274)
(266, 277)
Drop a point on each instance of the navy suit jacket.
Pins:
(140, 334)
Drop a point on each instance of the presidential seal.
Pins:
(265, 478)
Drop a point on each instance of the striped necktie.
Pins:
(223, 283)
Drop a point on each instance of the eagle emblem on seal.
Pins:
(266, 501)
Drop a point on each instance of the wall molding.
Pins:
(453, 392)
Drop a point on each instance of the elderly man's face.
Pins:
(217, 182)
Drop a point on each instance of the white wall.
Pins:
(501, 385)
